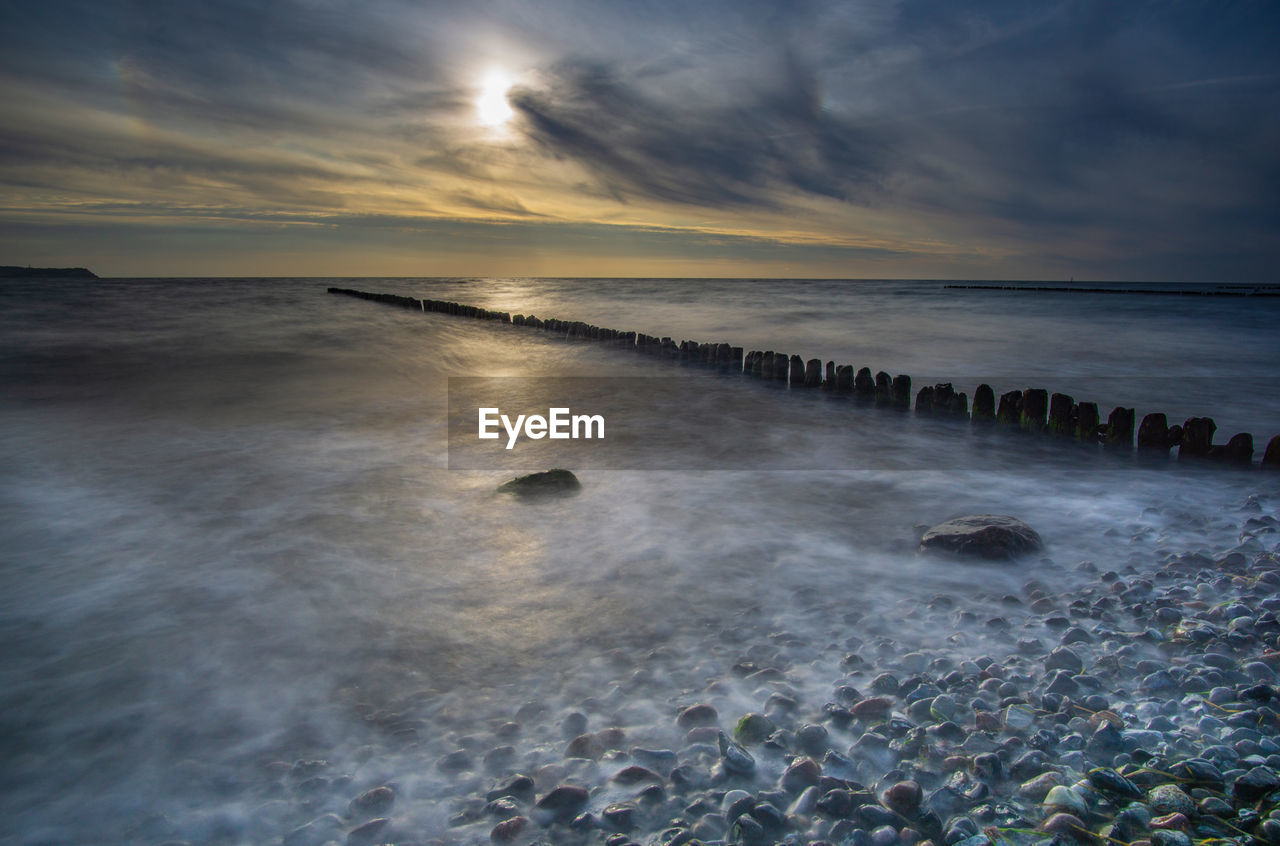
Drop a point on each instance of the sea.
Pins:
(241, 580)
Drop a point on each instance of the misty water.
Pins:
(232, 545)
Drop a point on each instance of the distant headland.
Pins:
(12, 271)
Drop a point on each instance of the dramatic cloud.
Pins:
(918, 137)
(711, 154)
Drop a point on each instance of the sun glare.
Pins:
(492, 107)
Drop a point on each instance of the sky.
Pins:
(914, 139)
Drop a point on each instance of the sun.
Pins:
(492, 107)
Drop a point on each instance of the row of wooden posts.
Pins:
(1033, 409)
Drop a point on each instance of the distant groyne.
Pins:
(1029, 409)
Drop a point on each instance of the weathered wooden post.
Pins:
(1035, 406)
(813, 373)
(901, 391)
(1060, 408)
(924, 400)
(1271, 458)
(797, 371)
(884, 388)
(766, 364)
(1237, 451)
(864, 384)
(1153, 433)
(984, 404)
(780, 364)
(1197, 437)
(829, 383)
(1010, 411)
(1120, 427)
(844, 378)
(1088, 421)
(944, 396)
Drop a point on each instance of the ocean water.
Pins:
(240, 583)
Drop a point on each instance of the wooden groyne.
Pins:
(1031, 409)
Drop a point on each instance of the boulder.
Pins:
(990, 536)
(538, 485)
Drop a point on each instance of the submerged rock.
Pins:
(991, 536)
(538, 485)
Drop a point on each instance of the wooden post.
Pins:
(844, 378)
(797, 371)
(1088, 421)
(1035, 405)
(884, 388)
(1238, 450)
(943, 397)
(984, 404)
(813, 373)
(1120, 428)
(900, 391)
(1010, 411)
(1060, 408)
(1153, 433)
(1271, 458)
(1197, 437)
(864, 384)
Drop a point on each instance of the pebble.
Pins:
(509, 829)
(753, 729)
(1066, 825)
(1170, 799)
(904, 797)
(1061, 798)
(367, 833)
(735, 758)
(697, 715)
(872, 708)
(373, 802)
(800, 774)
(1019, 717)
(561, 804)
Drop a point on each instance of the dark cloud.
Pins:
(748, 152)
(1128, 135)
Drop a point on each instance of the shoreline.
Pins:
(1135, 704)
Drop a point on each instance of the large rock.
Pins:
(991, 536)
(548, 483)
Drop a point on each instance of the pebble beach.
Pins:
(1135, 706)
